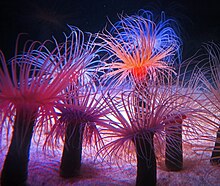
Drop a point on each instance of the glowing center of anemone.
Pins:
(139, 72)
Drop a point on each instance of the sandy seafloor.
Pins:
(44, 168)
(44, 171)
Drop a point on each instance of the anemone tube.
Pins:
(72, 150)
(215, 157)
(73, 145)
(146, 159)
(15, 169)
(174, 151)
(131, 128)
(185, 85)
(82, 55)
(16, 161)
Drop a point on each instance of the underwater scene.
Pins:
(109, 93)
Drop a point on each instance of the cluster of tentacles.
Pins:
(124, 91)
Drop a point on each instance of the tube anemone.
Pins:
(135, 128)
(140, 49)
(211, 81)
(153, 124)
(174, 150)
(77, 114)
(16, 161)
(31, 92)
(215, 157)
(138, 125)
(78, 111)
(146, 159)
(72, 151)
(185, 87)
(77, 122)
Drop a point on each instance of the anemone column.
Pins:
(215, 158)
(146, 159)
(72, 150)
(174, 150)
(15, 169)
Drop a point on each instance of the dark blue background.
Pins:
(199, 19)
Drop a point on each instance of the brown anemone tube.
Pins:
(146, 159)
(215, 158)
(72, 151)
(15, 168)
(174, 150)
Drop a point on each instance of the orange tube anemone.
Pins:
(140, 49)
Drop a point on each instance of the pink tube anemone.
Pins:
(27, 92)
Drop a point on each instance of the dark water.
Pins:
(198, 19)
